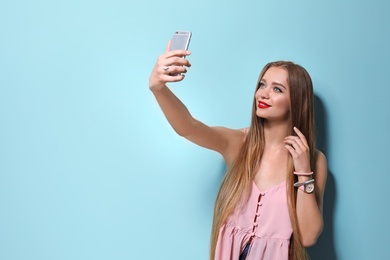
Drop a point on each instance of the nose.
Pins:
(263, 93)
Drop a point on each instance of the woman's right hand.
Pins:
(170, 67)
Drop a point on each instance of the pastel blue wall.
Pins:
(90, 169)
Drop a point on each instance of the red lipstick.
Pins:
(262, 105)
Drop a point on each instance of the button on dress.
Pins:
(265, 219)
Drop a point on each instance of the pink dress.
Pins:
(264, 217)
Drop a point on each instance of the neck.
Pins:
(274, 134)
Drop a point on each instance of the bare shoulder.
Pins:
(320, 175)
(320, 160)
(235, 138)
(224, 140)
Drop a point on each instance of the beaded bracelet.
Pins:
(303, 173)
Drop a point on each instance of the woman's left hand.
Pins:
(299, 150)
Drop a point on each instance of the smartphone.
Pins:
(180, 40)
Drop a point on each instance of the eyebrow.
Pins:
(274, 83)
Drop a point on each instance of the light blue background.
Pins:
(90, 169)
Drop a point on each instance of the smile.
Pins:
(262, 105)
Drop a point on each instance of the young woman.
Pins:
(269, 205)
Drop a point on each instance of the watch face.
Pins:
(309, 188)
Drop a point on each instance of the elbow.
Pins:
(308, 242)
(180, 132)
(310, 238)
(185, 129)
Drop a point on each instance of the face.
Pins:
(273, 95)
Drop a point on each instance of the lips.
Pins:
(262, 105)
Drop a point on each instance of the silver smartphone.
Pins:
(180, 40)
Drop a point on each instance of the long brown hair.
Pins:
(236, 183)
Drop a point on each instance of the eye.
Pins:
(261, 85)
(277, 89)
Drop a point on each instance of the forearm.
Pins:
(309, 206)
(174, 110)
(309, 216)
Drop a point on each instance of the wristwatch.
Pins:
(307, 186)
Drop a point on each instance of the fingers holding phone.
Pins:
(179, 43)
(171, 66)
(175, 62)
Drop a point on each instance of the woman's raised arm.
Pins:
(171, 67)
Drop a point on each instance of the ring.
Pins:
(165, 68)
